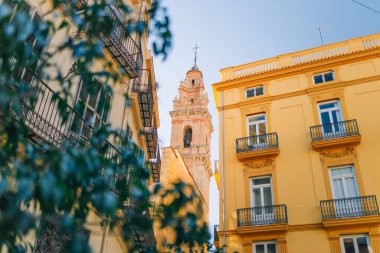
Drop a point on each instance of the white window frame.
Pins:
(355, 242)
(265, 243)
(255, 89)
(344, 178)
(261, 186)
(256, 115)
(323, 77)
(324, 110)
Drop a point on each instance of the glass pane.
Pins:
(349, 245)
(250, 93)
(262, 128)
(362, 244)
(252, 130)
(256, 198)
(259, 91)
(259, 181)
(338, 189)
(327, 127)
(327, 106)
(347, 171)
(272, 248)
(259, 248)
(336, 116)
(352, 190)
(268, 196)
(318, 79)
(329, 76)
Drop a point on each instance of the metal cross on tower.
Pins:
(195, 54)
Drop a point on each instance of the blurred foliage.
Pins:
(45, 185)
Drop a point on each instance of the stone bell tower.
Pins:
(192, 127)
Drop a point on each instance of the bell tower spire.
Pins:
(192, 126)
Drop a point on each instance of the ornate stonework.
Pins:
(337, 153)
(192, 128)
(257, 164)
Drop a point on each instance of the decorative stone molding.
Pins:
(259, 163)
(337, 153)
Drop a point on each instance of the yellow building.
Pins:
(141, 120)
(299, 151)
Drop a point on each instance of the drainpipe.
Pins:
(223, 192)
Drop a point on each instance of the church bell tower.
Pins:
(192, 127)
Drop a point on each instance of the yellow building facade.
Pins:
(299, 142)
(140, 120)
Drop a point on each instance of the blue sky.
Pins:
(233, 32)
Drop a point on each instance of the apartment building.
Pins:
(299, 151)
(133, 63)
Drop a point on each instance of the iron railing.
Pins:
(121, 45)
(155, 166)
(145, 241)
(334, 130)
(43, 115)
(349, 207)
(143, 86)
(216, 230)
(263, 215)
(256, 142)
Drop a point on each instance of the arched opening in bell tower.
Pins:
(187, 137)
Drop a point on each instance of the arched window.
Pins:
(187, 137)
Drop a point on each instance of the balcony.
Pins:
(143, 86)
(155, 166)
(256, 146)
(349, 207)
(151, 140)
(144, 241)
(263, 218)
(216, 236)
(120, 44)
(360, 211)
(335, 134)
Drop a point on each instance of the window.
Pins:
(345, 189)
(187, 137)
(324, 77)
(36, 46)
(256, 130)
(265, 247)
(343, 182)
(261, 189)
(330, 116)
(254, 92)
(355, 244)
(94, 106)
(262, 199)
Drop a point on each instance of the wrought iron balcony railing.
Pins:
(121, 45)
(143, 86)
(263, 215)
(256, 142)
(334, 130)
(155, 166)
(145, 241)
(216, 230)
(349, 207)
(41, 115)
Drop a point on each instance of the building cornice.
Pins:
(311, 90)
